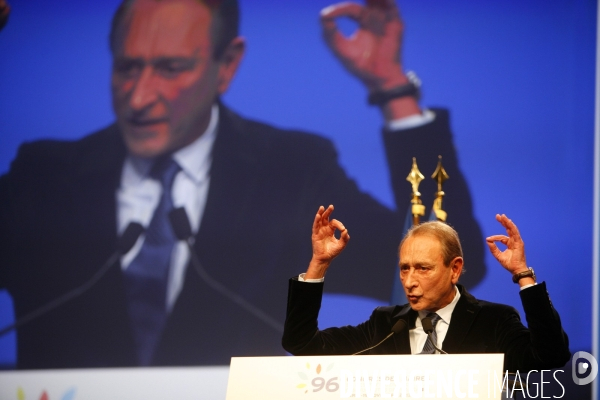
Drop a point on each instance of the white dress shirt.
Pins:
(418, 337)
(138, 197)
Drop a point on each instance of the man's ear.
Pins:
(229, 62)
(457, 266)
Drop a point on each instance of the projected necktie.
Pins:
(428, 348)
(146, 277)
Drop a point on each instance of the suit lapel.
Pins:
(232, 187)
(233, 176)
(463, 316)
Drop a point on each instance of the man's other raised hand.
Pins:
(513, 257)
(324, 242)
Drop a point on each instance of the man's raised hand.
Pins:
(513, 257)
(324, 243)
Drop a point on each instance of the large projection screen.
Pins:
(519, 81)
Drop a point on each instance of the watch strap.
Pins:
(412, 89)
(529, 273)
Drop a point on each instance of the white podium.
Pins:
(318, 377)
(185, 383)
(388, 376)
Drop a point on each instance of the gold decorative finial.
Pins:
(415, 177)
(439, 175)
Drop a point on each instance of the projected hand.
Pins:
(372, 53)
(324, 243)
(513, 258)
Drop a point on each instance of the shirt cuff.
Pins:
(528, 286)
(317, 280)
(413, 121)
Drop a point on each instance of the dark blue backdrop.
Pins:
(517, 76)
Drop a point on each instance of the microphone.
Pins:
(398, 327)
(124, 244)
(428, 328)
(129, 238)
(183, 231)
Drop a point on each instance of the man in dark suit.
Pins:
(248, 189)
(431, 262)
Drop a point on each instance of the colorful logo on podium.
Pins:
(317, 379)
(68, 395)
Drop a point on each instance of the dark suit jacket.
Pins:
(58, 225)
(477, 326)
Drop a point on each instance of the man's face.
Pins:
(428, 283)
(164, 77)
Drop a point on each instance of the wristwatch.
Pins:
(412, 89)
(517, 277)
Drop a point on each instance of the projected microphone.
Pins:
(397, 328)
(124, 244)
(428, 328)
(183, 231)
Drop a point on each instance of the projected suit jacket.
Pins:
(477, 326)
(58, 225)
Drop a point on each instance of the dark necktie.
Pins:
(428, 348)
(147, 275)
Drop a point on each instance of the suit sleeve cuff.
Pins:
(413, 121)
(528, 286)
(301, 279)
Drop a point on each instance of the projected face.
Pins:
(164, 78)
(428, 283)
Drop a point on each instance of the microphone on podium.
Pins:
(183, 231)
(124, 244)
(398, 327)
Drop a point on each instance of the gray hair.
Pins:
(447, 236)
